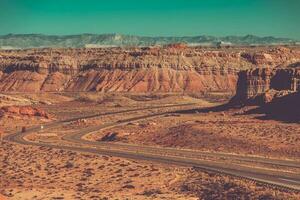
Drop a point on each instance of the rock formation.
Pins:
(275, 92)
(264, 84)
(23, 110)
(174, 68)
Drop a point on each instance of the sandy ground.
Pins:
(29, 172)
(57, 174)
(224, 131)
(43, 173)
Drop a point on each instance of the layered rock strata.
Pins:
(267, 83)
(174, 68)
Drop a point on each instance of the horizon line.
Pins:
(152, 36)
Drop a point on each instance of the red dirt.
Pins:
(24, 110)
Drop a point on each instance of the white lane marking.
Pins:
(290, 180)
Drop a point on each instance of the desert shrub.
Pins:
(151, 192)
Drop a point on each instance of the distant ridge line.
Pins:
(21, 41)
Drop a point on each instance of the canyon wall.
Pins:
(275, 92)
(174, 68)
(266, 83)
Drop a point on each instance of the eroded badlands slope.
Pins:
(174, 68)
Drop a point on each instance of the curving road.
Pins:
(171, 156)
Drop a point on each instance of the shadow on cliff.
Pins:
(286, 108)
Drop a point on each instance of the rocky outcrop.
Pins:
(23, 110)
(174, 68)
(263, 84)
(275, 92)
(279, 57)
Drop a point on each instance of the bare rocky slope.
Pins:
(172, 68)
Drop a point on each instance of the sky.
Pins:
(279, 18)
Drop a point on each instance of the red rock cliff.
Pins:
(266, 81)
(154, 69)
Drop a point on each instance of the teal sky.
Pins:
(280, 18)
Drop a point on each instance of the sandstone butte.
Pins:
(173, 68)
(262, 85)
(276, 91)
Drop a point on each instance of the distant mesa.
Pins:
(17, 41)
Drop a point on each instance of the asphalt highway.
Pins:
(171, 156)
